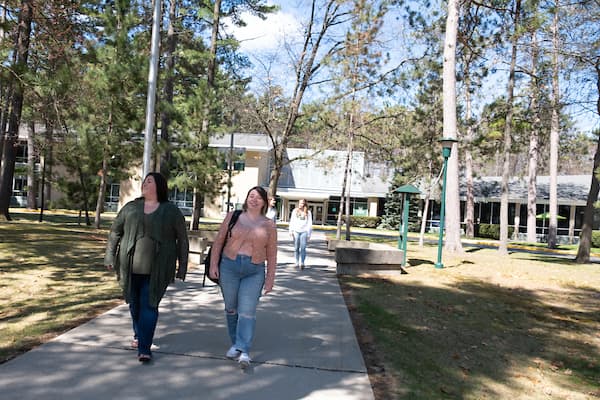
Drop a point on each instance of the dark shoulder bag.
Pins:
(232, 221)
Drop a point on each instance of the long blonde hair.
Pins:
(303, 210)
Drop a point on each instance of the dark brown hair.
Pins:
(263, 194)
(162, 190)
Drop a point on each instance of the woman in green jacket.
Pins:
(146, 240)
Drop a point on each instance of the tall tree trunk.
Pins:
(7, 171)
(42, 183)
(585, 242)
(338, 232)
(6, 97)
(102, 173)
(48, 165)
(31, 176)
(349, 183)
(452, 216)
(426, 202)
(165, 117)
(554, 128)
(274, 176)
(503, 245)
(533, 152)
(210, 79)
(4, 86)
(470, 204)
(196, 205)
(85, 201)
(101, 193)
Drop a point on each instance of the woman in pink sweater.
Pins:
(241, 273)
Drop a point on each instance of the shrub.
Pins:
(492, 231)
(596, 239)
(364, 222)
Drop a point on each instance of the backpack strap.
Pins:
(232, 221)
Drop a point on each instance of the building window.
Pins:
(111, 200)
(20, 186)
(239, 160)
(360, 207)
(239, 165)
(21, 153)
(183, 198)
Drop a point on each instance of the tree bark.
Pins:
(533, 152)
(554, 128)
(31, 175)
(7, 171)
(470, 203)
(168, 88)
(503, 244)
(103, 174)
(338, 232)
(210, 79)
(585, 242)
(452, 216)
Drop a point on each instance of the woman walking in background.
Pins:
(272, 211)
(241, 273)
(300, 229)
(146, 240)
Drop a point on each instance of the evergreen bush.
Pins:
(364, 222)
(492, 231)
(596, 239)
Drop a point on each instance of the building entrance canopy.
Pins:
(308, 196)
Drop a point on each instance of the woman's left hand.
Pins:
(268, 289)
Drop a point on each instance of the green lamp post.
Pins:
(406, 191)
(446, 151)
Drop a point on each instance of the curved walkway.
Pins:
(305, 347)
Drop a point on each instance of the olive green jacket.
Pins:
(168, 232)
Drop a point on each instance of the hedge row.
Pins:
(596, 239)
(365, 222)
(492, 231)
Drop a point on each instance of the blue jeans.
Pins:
(241, 284)
(300, 239)
(143, 316)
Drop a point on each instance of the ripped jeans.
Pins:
(241, 284)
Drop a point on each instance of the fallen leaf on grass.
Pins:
(445, 390)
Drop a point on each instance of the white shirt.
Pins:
(299, 223)
(272, 214)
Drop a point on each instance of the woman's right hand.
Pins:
(213, 272)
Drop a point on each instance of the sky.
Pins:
(266, 36)
(260, 36)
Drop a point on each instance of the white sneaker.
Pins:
(232, 353)
(244, 360)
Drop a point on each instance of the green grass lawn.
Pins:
(524, 326)
(484, 327)
(52, 279)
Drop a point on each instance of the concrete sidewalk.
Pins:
(305, 347)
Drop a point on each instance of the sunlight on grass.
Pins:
(52, 280)
(522, 326)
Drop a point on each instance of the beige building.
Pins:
(314, 176)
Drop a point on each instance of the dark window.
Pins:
(21, 152)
